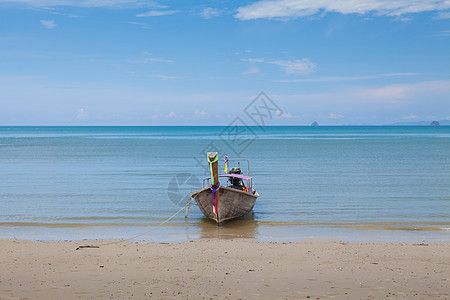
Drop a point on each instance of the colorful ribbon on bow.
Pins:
(214, 190)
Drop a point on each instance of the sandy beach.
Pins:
(223, 269)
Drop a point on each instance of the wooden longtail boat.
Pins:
(221, 202)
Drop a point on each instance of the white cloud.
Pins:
(86, 3)
(284, 115)
(388, 94)
(444, 33)
(153, 59)
(158, 13)
(258, 60)
(411, 117)
(429, 98)
(165, 77)
(156, 117)
(442, 15)
(142, 25)
(170, 115)
(347, 78)
(200, 113)
(335, 116)
(49, 24)
(290, 67)
(210, 12)
(82, 114)
(149, 59)
(296, 66)
(55, 12)
(270, 9)
(402, 93)
(358, 105)
(252, 70)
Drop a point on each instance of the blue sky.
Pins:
(134, 62)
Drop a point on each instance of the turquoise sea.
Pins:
(365, 183)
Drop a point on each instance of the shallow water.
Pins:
(354, 183)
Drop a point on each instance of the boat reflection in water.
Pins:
(244, 227)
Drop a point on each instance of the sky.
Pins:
(137, 62)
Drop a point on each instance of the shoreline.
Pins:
(247, 230)
(223, 269)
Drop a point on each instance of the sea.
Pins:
(347, 183)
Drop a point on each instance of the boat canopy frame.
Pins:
(238, 160)
(248, 179)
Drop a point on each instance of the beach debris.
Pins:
(420, 244)
(86, 246)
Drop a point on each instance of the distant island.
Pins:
(314, 123)
(425, 123)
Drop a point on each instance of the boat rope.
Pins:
(141, 234)
(211, 168)
(214, 191)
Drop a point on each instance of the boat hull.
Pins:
(233, 203)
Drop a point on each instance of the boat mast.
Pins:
(214, 167)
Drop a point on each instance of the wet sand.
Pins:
(224, 269)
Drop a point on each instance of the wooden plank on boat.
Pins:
(214, 162)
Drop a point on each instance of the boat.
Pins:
(233, 199)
